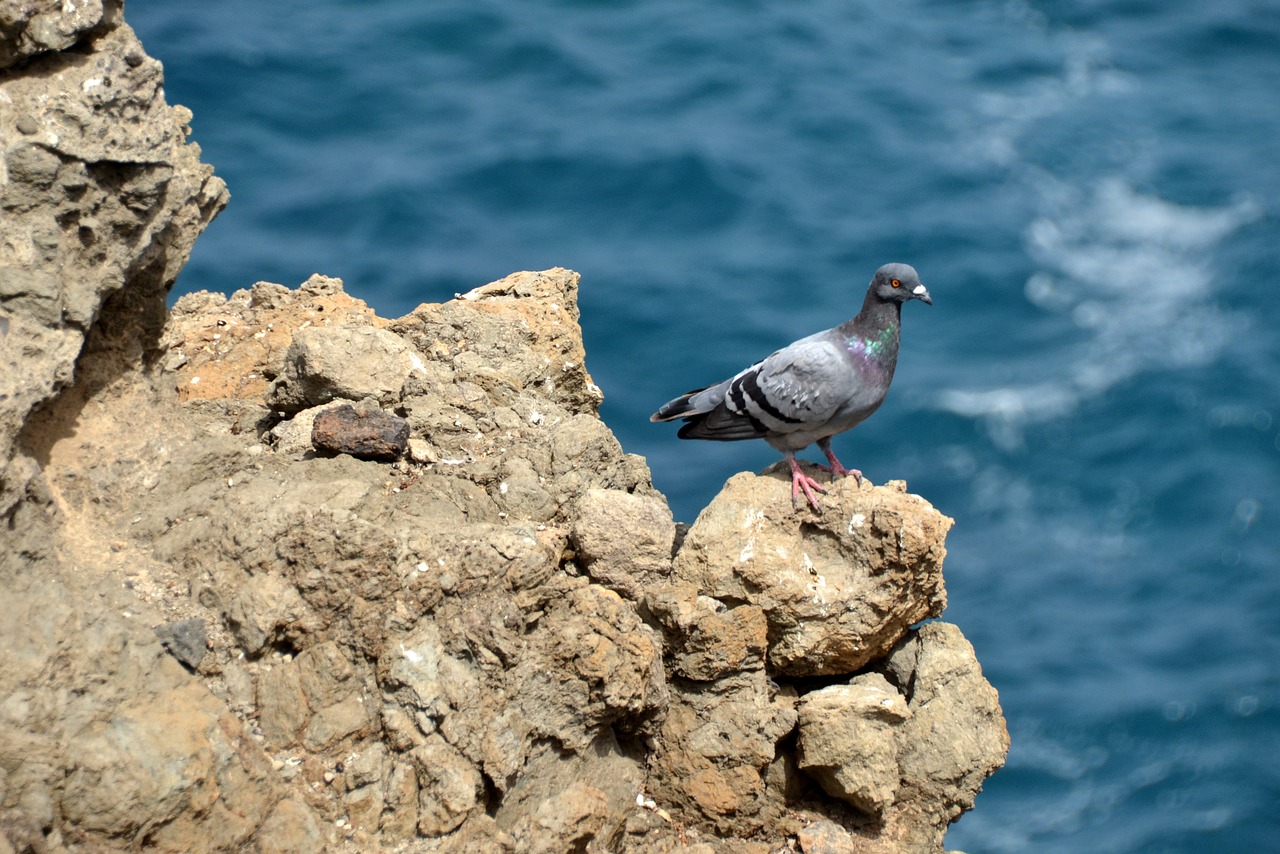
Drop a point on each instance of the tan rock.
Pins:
(714, 746)
(956, 736)
(281, 705)
(37, 26)
(707, 640)
(449, 787)
(838, 589)
(291, 828)
(623, 540)
(74, 233)
(219, 347)
(848, 740)
(342, 362)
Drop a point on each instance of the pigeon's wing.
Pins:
(795, 389)
(799, 387)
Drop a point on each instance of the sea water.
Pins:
(1088, 188)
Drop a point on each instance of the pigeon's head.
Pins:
(899, 283)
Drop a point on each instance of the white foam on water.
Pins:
(1133, 273)
(1130, 271)
(1005, 118)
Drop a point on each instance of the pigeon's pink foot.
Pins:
(801, 482)
(838, 470)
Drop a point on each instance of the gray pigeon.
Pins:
(811, 390)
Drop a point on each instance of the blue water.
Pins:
(1089, 189)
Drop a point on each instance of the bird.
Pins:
(812, 389)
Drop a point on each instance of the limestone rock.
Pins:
(910, 743)
(232, 348)
(40, 26)
(715, 746)
(847, 740)
(529, 320)
(102, 198)
(838, 589)
(342, 363)
(139, 750)
(624, 540)
(706, 639)
(956, 736)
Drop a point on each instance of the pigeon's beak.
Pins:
(921, 293)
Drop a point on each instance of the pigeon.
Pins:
(811, 390)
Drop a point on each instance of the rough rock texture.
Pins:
(98, 190)
(364, 431)
(38, 26)
(213, 638)
(838, 589)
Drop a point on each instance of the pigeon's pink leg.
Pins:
(836, 469)
(801, 481)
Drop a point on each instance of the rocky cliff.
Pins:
(282, 575)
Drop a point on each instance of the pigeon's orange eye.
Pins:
(895, 283)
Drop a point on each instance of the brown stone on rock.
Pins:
(838, 589)
(363, 432)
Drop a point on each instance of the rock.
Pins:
(568, 799)
(956, 736)
(838, 589)
(623, 540)
(142, 750)
(715, 745)
(32, 28)
(186, 640)
(232, 348)
(848, 740)
(707, 640)
(291, 828)
(566, 821)
(342, 363)
(826, 837)
(449, 787)
(102, 202)
(363, 431)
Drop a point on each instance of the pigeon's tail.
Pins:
(721, 425)
(706, 416)
(682, 407)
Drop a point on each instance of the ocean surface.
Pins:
(1089, 189)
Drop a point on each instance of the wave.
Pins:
(1133, 273)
